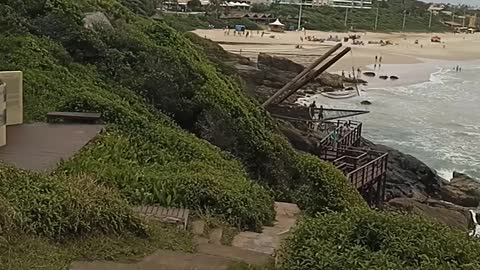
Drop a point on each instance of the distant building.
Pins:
(256, 2)
(361, 4)
(304, 2)
(11, 101)
(436, 9)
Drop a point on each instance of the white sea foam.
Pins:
(446, 174)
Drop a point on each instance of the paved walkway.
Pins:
(162, 260)
(270, 238)
(249, 247)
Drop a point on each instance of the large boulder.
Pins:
(331, 80)
(446, 213)
(94, 20)
(461, 190)
(281, 63)
(407, 176)
(299, 138)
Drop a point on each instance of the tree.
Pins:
(194, 5)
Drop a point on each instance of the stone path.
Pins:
(249, 247)
(270, 238)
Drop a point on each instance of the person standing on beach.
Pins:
(380, 59)
(263, 33)
(343, 73)
(376, 58)
(311, 112)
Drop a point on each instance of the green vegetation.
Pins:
(365, 239)
(390, 17)
(180, 132)
(26, 252)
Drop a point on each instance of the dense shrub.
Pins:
(60, 208)
(365, 239)
(171, 166)
(164, 67)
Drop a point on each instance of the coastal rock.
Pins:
(354, 80)
(280, 63)
(296, 137)
(332, 80)
(444, 212)
(461, 190)
(366, 102)
(407, 176)
(96, 19)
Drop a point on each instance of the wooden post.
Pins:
(312, 75)
(301, 75)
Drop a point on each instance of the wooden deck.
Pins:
(41, 146)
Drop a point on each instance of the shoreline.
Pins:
(412, 63)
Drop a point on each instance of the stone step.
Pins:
(163, 260)
(235, 253)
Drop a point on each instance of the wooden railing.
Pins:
(348, 133)
(369, 172)
(364, 168)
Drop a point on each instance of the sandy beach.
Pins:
(411, 62)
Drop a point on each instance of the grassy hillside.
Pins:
(140, 74)
(179, 132)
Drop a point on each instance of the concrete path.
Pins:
(162, 260)
(270, 239)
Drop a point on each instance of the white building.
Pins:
(304, 2)
(11, 101)
(360, 4)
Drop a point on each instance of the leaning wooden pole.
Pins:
(302, 74)
(312, 75)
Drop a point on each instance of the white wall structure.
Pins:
(3, 111)
(360, 4)
(14, 89)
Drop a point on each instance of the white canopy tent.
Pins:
(276, 23)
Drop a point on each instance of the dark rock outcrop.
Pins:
(366, 102)
(461, 190)
(280, 63)
(407, 176)
(446, 213)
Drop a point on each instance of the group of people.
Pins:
(246, 33)
(378, 61)
(359, 72)
(458, 68)
(317, 113)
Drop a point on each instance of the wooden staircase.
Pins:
(365, 169)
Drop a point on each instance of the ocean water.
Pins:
(437, 121)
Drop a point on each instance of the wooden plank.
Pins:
(85, 115)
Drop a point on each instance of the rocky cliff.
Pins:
(411, 185)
